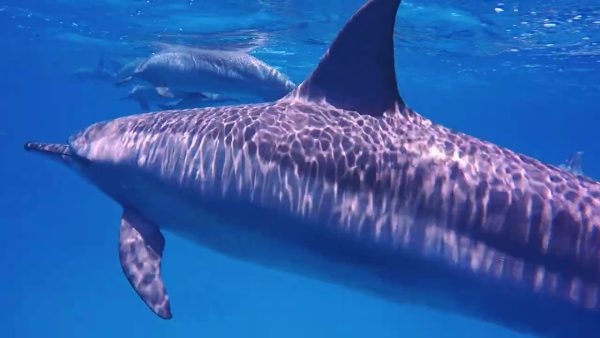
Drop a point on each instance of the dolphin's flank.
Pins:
(341, 181)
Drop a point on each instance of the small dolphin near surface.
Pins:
(341, 181)
(224, 72)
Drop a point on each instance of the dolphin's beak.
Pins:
(59, 152)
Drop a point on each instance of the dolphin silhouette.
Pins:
(167, 99)
(341, 181)
(145, 95)
(197, 100)
(100, 73)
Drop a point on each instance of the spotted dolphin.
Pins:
(341, 181)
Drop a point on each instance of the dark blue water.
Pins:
(523, 74)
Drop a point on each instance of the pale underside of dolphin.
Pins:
(341, 181)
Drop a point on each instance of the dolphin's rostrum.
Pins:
(340, 180)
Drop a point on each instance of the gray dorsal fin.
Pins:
(357, 72)
(140, 251)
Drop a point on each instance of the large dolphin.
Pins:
(341, 181)
(231, 73)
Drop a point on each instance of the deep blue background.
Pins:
(60, 275)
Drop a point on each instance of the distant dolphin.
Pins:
(145, 95)
(341, 181)
(197, 100)
(229, 73)
(168, 99)
(100, 73)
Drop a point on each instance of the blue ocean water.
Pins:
(523, 74)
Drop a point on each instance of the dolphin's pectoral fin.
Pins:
(140, 251)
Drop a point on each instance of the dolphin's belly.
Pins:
(405, 227)
(261, 233)
(273, 240)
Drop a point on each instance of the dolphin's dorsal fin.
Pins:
(140, 251)
(357, 72)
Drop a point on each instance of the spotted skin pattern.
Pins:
(399, 181)
(140, 253)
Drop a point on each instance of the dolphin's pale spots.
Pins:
(341, 181)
